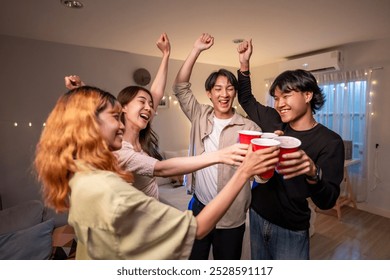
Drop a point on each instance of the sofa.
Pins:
(29, 231)
(25, 234)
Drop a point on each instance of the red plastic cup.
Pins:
(263, 143)
(245, 136)
(288, 144)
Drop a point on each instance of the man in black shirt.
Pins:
(279, 213)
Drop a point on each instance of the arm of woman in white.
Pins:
(232, 155)
(158, 86)
(254, 163)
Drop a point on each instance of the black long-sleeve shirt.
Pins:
(284, 202)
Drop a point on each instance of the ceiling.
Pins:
(278, 28)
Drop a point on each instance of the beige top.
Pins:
(202, 118)
(113, 220)
(142, 167)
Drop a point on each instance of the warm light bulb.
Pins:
(15, 124)
(29, 124)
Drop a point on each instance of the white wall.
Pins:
(32, 73)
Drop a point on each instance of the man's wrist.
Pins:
(317, 176)
(245, 73)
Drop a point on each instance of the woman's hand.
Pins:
(233, 155)
(163, 44)
(73, 81)
(259, 161)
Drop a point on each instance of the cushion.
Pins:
(163, 181)
(34, 243)
(176, 180)
(21, 216)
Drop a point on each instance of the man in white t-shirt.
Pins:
(214, 127)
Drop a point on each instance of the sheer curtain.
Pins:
(346, 112)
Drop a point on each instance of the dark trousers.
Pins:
(226, 243)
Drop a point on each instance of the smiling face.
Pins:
(293, 106)
(222, 95)
(139, 111)
(111, 128)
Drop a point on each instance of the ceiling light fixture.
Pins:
(72, 4)
(238, 41)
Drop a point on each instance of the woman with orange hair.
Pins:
(111, 218)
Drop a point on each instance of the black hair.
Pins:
(210, 82)
(147, 137)
(301, 81)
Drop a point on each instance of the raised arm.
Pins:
(254, 163)
(204, 42)
(244, 50)
(265, 117)
(232, 155)
(158, 86)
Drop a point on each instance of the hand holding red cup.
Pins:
(263, 143)
(288, 144)
(245, 136)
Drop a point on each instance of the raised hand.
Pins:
(245, 50)
(73, 81)
(204, 42)
(163, 44)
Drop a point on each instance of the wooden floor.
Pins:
(359, 235)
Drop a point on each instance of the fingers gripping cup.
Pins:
(288, 144)
(263, 143)
(245, 136)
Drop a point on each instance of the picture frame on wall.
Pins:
(164, 102)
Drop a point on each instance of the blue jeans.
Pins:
(271, 242)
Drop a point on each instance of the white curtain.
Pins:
(346, 112)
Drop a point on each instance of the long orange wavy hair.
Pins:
(72, 133)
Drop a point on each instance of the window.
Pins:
(345, 112)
